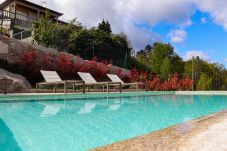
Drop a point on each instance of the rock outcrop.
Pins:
(10, 82)
(11, 50)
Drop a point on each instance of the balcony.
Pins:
(16, 19)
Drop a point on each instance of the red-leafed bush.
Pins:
(174, 82)
(154, 84)
(29, 57)
(135, 75)
(165, 86)
(186, 83)
(67, 66)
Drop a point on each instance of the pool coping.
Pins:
(28, 96)
(200, 92)
(175, 138)
(43, 96)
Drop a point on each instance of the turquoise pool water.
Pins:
(85, 123)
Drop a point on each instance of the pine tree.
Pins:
(105, 27)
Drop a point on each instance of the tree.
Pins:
(96, 42)
(165, 68)
(51, 34)
(146, 51)
(81, 44)
(204, 83)
(165, 52)
(105, 27)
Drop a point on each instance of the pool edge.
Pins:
(172, 138)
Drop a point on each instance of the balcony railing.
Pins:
(4, 14)
(17, 18)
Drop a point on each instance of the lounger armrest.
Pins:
(55, 82)
(135, 83)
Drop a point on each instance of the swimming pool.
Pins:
(76, 124)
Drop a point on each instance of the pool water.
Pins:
(86, 123)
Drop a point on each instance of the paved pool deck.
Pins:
(12, 96)
(208, 133)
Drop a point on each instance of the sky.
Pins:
(193, 27)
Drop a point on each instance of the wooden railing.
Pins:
(17, 18)
(4, 14)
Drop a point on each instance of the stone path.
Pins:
(205, 134)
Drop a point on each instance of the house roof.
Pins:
(6, 2)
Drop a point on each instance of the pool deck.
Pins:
(208, 133)
(126, 92)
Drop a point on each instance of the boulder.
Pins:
(13, 82)
(11, 49)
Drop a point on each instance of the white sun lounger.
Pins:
(89, 81)
(115, 78)
(52, 78)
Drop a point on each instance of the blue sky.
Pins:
(204, 38)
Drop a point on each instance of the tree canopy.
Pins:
(100, 43)
(97, 42)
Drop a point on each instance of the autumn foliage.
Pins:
(155, 83)
(68, 65)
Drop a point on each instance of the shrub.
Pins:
(68, 65)
(204, 83)
(155, 83)
(32, 62)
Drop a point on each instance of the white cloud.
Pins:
(124, 14)
(177, 36)
(203, 20)
(216, 8)
(196, 53)
(140, 37)
(225, 60)
(185, 24)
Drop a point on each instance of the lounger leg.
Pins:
(120, 88)
(73, 87)
(37, 87)
(108, 88)
(65, 87)
(83, 87)
(137, 87)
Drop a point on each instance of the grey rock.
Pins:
(13, 82)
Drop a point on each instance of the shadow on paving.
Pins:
(7, 141)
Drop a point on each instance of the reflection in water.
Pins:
(50, 109)
(87, 107)
(114, 107)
